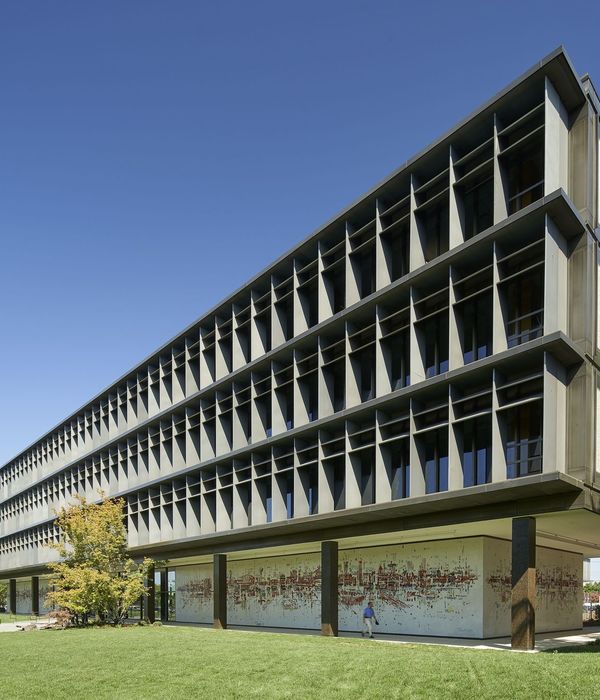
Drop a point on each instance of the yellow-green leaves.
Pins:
(95, 574)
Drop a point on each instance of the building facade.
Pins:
(403, 408)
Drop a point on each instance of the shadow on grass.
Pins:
(591, 648)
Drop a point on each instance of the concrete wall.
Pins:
(458, 588)
(276, 592)
(428, 588)
(559, 589)
(194, 593)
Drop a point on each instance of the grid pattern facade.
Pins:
(422, 342)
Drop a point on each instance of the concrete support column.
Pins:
(12, 595)
(164, 595)
(220, 591)
(523, 584)
(329, 589)
(35, 595)
(151, 597)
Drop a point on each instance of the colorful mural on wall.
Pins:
(455, 587)
(558, 589)
(276, 592)
(193, 594)
(424, 588)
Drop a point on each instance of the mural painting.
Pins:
(457, 587)
(276, 592)
(425, 588)
(558, 589)
(194, 595)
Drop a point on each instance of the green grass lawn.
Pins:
(184, 662)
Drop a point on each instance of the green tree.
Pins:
(95, 574)
(3, 594)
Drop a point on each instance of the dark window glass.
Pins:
(436, 345)
(339, 479)
(524, 440)
(477, 442)
(435, 222)
(478, 208)
(436, 461)
(525, 177)
(477, 327)
(400, 470)
(525, 299)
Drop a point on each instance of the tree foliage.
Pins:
(95, 574)
(3, 594)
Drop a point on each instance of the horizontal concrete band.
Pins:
(527, 496)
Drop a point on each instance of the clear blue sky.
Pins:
(155, 155)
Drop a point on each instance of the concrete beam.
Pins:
(329, 589)
(220, 591)
(523, 584)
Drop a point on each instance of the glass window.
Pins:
(524, 440)
(478, 208)
(525, 296)
(436, 461)
(400, 470)
(477, 442)
(436, 345)
(525, 178)
(477, 327)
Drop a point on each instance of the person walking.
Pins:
(368, 618)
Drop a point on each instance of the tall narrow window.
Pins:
(436, 461)
(525, 177)
(525, 296)
(436, 345)
(477, 327)
(400, 470)
(436, 231)
(478, 208)
(476, 456)
(524, 440)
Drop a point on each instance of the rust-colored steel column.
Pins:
(12, 596)
(329, 589)
(35, 595)
(220, 591)
(523, 584)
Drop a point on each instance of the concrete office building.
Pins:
(403, 408)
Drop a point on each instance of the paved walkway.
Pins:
(18, 626)
(543, 642)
